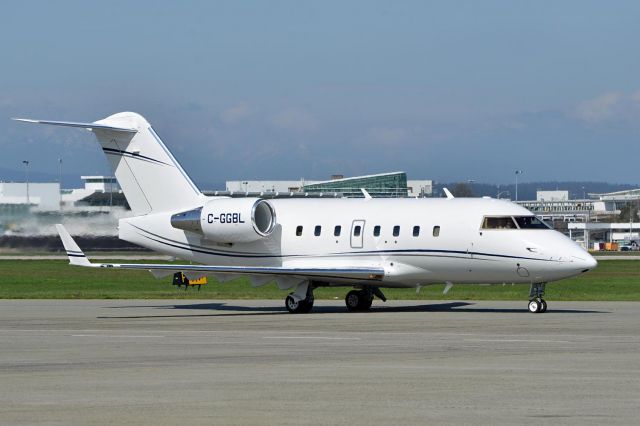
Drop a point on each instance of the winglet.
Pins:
(76, 256)
(448, 193)
(365, 193)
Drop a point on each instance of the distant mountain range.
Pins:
(70, 180)
(527, 190)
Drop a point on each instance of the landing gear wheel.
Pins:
(543, 306)
(352, 300)
(536, 303)
(534, 306)
(299, 307)
(366, 303)
(308, 305)
(358, 300)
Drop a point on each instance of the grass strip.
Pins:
(612, 280)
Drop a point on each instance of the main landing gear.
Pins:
(537, 304)
(361, 300)
(301, 300)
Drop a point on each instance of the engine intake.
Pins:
(229, 220)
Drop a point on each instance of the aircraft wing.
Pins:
(340, 273)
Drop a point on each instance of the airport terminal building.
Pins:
(393, 185)
(590, 221)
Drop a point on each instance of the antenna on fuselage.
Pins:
(447, 287)
(448, 193)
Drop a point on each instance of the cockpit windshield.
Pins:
(530, 222)
(502, 222)
(515, 222)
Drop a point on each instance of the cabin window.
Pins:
(357, 230)
(416, 231)
(499, 222)
(396, 231)
(436, 231)
(530, 222)
(376, 231)
(299, 230)
(336, 231)
(317, 230)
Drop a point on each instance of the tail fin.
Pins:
(150, 177)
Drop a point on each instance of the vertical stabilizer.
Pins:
(150, 177)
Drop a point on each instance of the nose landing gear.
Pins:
(537, 304)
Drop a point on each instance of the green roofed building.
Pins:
(380, 185)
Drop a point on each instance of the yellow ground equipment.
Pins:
(180, 280)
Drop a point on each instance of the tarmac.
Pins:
(235, 362)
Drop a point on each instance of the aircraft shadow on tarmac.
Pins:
(226, 309)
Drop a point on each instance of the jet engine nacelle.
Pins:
(229, 220)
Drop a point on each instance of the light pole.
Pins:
(26, 177)
(60, 172)
(110, 192)
(60, 180)
(630, 221)
(518, 172)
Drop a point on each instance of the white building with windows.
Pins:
(552, 195)
(43, 196)
(392, 184)
(92, 185)
(86, 211)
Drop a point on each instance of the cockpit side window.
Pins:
(530, 222)
(498, 222)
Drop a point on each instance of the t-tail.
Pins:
(150, 177)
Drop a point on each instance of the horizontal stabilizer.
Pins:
(89, 126)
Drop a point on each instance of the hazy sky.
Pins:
(449, 90)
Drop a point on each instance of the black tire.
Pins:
(308, 306)
(352, 300)
(543, 306)
(358, 301)
(534, 306)
(295, 307)
(366, 303)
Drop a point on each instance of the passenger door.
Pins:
(357, 233)
(474, 233)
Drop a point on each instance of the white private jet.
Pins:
(302, 244)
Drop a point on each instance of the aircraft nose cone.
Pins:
(585, 261)
(590, 262)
